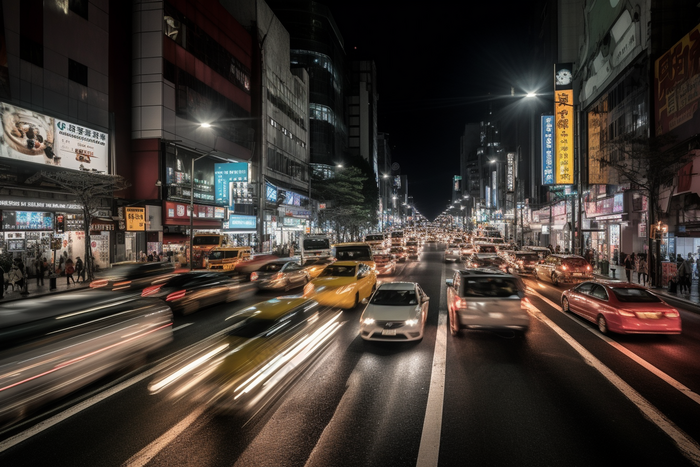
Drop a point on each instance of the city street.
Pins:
(562, 394)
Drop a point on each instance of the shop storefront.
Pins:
(605, 227)
(241, 230)
(176, 226)
(287, 216)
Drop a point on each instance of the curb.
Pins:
(42, 294)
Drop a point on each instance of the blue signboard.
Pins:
(548, 149)
(227, 177)
(270, 192)
(241, 222)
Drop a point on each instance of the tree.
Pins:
(343, 192)
(89, 189)
(649, 164)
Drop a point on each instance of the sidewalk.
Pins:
(39, 290)
(692, 298)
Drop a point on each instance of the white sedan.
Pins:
(396, 312)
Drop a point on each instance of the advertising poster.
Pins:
(548, 150)
(27, 220)
(563, 124)
(33, 137)
(229, 179)
(270, 192)
(241, 222)
(597, 174)
(135, 219)
(677, 87)
(510, 180)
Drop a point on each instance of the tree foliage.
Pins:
(89, 190)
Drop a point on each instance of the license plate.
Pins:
(388, 332)
(649, 315)
(496, 315)
(578, 274)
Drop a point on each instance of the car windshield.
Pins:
(385, 297)
(338, 271)
(487, 249)
(634, 295)
(358, 253)
(272, 267)
(527, 256)
(214, 255)
(490, 287)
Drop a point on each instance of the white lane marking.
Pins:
(688, 447)
(99, 397)
(695, 397)
(429, 449)
(145, 455)
(182, 326)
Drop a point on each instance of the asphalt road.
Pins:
(562, 394)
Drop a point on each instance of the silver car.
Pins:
(453, 253)
(486, 299)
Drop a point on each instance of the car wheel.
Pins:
(555, 280)
(565, 305)
(602, 325)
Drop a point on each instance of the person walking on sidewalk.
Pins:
(684, 271)
(80, 268)
(70, 269)
(642, 271)
(628, 267)
(40, 265)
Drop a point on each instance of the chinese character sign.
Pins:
(135, 219)
(548, 150)
(511, 172)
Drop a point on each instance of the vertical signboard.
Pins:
(597, 172)
(510, 181)
(457, 183)
(548, 150)
(677, 88)
(135, 219)
(563, 124)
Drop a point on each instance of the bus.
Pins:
(203, 243)
(315, 246)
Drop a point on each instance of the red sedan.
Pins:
(622, 307)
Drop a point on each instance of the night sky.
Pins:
(437, 63)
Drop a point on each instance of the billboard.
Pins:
(241, 222)
(510, 175)
(227, 177)
(27, 220)
(270, 192)
(547, 149)
(135, 219)
(615, 33)
(677, 88)
(563, 124)
(597, 173)
(33, 137)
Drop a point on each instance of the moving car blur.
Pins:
(188, 292)
(54, 345)
(385, 263)
(396, 312)
(622, 308)
(267, 346)
(315, 265)
(282, 274)
(134, 276)
(560, 269)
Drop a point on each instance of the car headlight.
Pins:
(410, 322)
(368, 321)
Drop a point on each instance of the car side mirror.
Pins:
(425, 299)
(362, 275)
(449, 282)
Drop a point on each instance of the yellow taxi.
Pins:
(354, 251)
(343, 284)
(226, 258)
(315, 265)
(270, 342)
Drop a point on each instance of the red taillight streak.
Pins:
(462, 304)
(96, 284)
(83, 357)
(151, 290)
(175, 295)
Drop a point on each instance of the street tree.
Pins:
(650, 165)
(89, 189)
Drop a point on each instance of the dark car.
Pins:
(283, 274)
(188, 292)
(522, 262)
(487, 261)
(134, 276)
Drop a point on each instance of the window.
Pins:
(79, 7)
(31, 52)
(77, 72)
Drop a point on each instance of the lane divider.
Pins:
(687, 446)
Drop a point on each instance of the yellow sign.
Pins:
(564, 137)
(135, 219)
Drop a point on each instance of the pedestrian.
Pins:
(61, 266)
(70, 269)
(80, 268)
(16, 274)
(628, 267)
(150, 257)
(40, 270)
(642, 270)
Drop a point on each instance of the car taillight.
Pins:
(253, 276)
(175, 295)
(525, 303)
(671, 314)
(151, 290)
(626, 313)
(564, 268)
(588, 268)
(98, 284)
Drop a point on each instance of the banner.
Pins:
(597, 173)
(33, 137)
(563, 124)
(548, 150)
(135, 219)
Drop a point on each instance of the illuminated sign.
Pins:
(563, 125)
(548, 150)
(27, 220)
(270, 192)
(457, 181)
(33, 137)
(135, 219)
(241, 222)
(230, 182)
(510, 181)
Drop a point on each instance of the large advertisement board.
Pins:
(27, 220)
(230, 182)
(677, 88)
(563, 124)
(33, 137)
(510, 174)
(548, 150)
(615, 34)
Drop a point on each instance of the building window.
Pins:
(79, 7)
(77, 72)
(31, 51)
